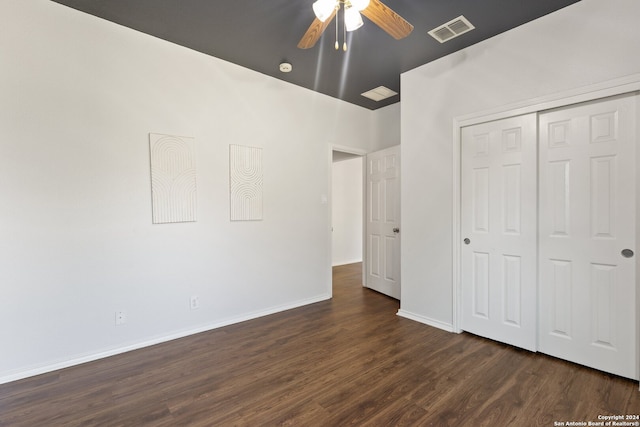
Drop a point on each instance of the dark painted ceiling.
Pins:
(260, 34)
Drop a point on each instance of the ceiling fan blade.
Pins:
(314, 32)
(387, 19)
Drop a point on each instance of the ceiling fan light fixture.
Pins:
(377, 12)
(352, 18)
(324, 8)
(360, 4)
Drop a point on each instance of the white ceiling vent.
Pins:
(379, 93)
(451, 29)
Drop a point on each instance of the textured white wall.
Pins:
(588, 42)
(347, 204)
(78, 97)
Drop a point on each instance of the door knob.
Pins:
(627, 253)
(396, 230)
(466, 241)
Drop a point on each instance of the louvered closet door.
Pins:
(499, 227)
(587, 226)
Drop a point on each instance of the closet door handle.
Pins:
(627, 253)
(466, 241)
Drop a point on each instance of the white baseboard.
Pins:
(427, 321)
(43, 369)
(339, 263)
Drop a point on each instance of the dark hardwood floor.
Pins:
(348, 361)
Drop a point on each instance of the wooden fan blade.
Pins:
(314, 32)
(387, 19)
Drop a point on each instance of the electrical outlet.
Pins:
(194, 302)
(121, 318)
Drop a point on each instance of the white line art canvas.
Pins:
(173, 178)
(245, 182)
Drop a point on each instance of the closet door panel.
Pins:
(587, 287)
(499, 227)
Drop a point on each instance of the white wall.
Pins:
(386, 127)
(347, 204)
(78, 97)
(589, 42)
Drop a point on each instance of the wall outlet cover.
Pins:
(194, 302)
(121, 317)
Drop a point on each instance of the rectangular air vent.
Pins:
(379, 93)
(451, 29)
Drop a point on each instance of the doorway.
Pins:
(346, 208)
(372, 229)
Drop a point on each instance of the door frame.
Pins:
(593, 92)
(362, 154)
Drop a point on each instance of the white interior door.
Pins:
(383, 222)
(587, 228)
(499, 227)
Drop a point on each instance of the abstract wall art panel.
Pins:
(245, 182)
(173, 178)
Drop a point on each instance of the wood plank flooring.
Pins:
(348, 361)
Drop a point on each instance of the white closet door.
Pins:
(587, 228)
(499, 227)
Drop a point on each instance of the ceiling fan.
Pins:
(380, 14)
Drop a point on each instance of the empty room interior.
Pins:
(331, 212)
